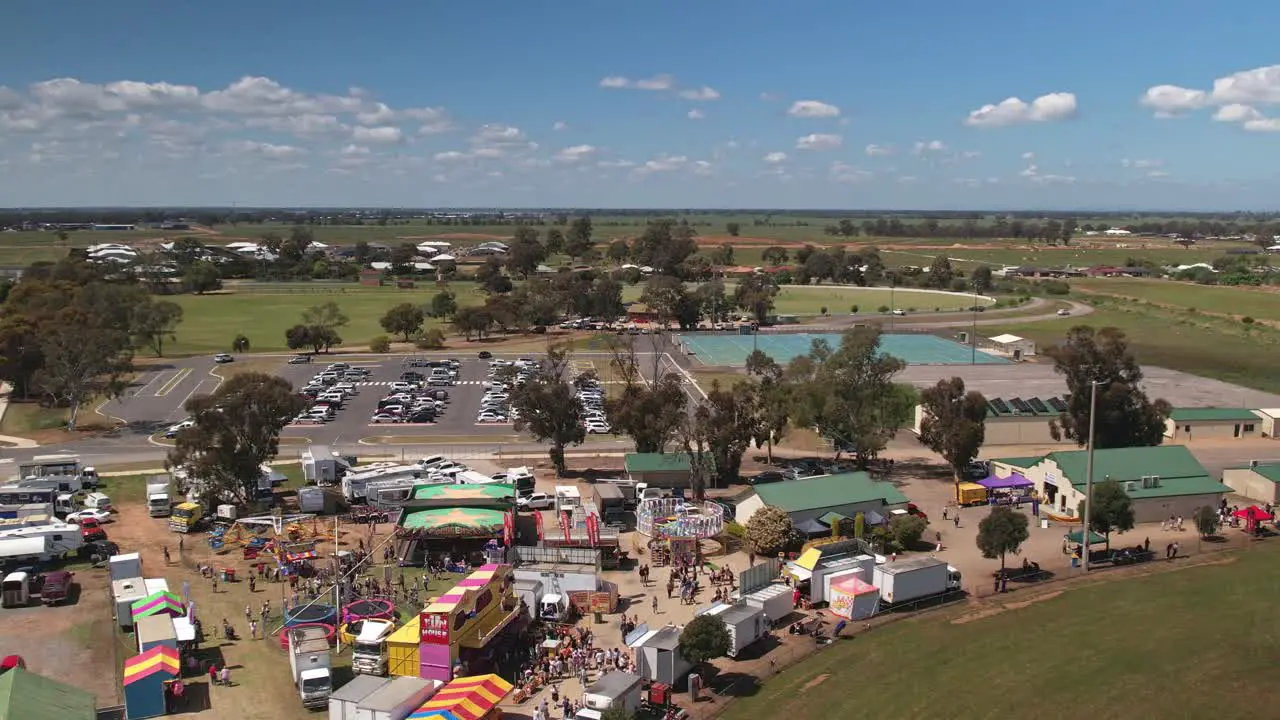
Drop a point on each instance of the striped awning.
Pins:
(467, 698)
(157, 602)
(159, 659)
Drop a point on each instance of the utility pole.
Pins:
(1085, 531)
(973, 331)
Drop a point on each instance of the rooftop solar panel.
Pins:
(1057, 404)
(1038, 405)
(1020, 405)
(1000, 406)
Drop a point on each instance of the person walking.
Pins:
(224, 675)
(213, 673)
(655, 601)
(166, 555)
(253, 629)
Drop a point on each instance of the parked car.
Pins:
(79, 517)
(299, 359)
(92, 530)
(485, 354)
(536, 501)
(1064, 312)
(381, 418)
(768, 476)
(173, 430)
(56, 587)
(222, 358)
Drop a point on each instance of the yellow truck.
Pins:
(968, 493)
(186, 517)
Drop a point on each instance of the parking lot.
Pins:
(158, 393)
(352, 422)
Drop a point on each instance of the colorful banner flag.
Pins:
(566, 524)
(537, 520)
(593, 529)
(509, 528)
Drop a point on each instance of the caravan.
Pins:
(59, 538)
(355, 485)
(65, 470)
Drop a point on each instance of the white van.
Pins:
(97, 501)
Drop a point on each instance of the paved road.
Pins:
(930, 321)
(157, 395)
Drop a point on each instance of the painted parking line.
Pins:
(155, 377)
(385, 383)
(204, 387)
(173, 382)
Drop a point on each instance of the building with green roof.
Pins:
(1016, 420)
(668, 470)
(25, 695)
(809, 499)
(1164, 481)
(1212, 423)
(1255, 480)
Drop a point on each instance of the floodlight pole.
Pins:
(973, 331)
(1085, 531)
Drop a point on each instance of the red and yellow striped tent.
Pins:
(467, 698)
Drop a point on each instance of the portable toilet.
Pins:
(402, 648)
(145, 676)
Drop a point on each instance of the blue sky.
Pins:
(1147, 104)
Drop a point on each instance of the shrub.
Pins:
(854, 309)
(882, 309)
(823, 310)
(733, 529)
(430, 339)
(240, 344)
(1055, 287)
(1246, 320)
(380, 344)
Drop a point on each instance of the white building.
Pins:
(1117, 232)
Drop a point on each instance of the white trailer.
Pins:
(61, 539)
(745, 624)
(774, 600)
(124, 593)
(617, 690)
(323, 466)
(911, 579)
(344, 701)
(311, 500)
(397, 699)
(125, 566)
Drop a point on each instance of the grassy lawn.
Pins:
(726, 379)
(1091, 652)
(1195, 343)
(1237, 301)
(839, 300)
(28, 417)
(263, 312)
(1001, 254)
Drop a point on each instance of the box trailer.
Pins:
(911, 579)
(397, 699)
(618, 690)
(774, 600)
(125, 593)
(745, 624)
(122, 567)
(344, 701)
(154, 630)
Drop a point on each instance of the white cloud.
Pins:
(10, 99)
(488, 153)
(774, 158)
(615, 164)
(702, 167)
(813, 109)
(264, 96)
(1263, 125)
(664, 163)
(615, 81)
(307, 124)
(1235, 112)
(769, 97)
(574, 154)
(819, 141)
(928, 146)
(1141, 164)
(657, 82)
(1028, 155)
(847, 174)
(265, 150)
(696, 114)
(874, 150)
(451, 156)
(1157, 174)
(1259, 86)
(969, 155)
(1012, 111)
(355, 150)
(1030, 171)
(500, 136)
(384, 135)
(702, 93)
(560, 125)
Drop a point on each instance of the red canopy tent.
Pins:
(1253, 515)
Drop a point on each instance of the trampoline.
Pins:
(712, 349)
(330, 633)
(376, 608)
(316, 614)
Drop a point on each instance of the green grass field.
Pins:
(264, 311)
(1001, 254)
(1191, 643)
(1257, 303)
(1195, 343)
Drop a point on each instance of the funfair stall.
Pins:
(466, 698)
(852, 598)
(145, 681)
(460, 626)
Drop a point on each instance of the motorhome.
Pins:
(323, 466)
(66, 469)
(60, 538)
(355, 485)
(568, 498)
(471, 477)
(16, 495)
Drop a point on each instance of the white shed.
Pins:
(658, 654)
(1011, 345)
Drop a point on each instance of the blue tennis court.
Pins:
(911, 349)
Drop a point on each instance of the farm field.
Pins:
(1195, 343)
(1001, 254)
(1258, 303)
(263, 312)
(1116, 653)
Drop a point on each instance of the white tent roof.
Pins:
(438, 258)
(1006, 338)
(426, 249)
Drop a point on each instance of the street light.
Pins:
(1085, 531)
(973, 331)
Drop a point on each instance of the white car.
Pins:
(490, 417)
(175, 429)
(597, 428)
(381, 418)
(101, 516)
(899, 312)
(1064, 312)
(536, 501)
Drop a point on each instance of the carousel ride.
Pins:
(676, 528)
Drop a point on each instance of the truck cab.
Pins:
(369, 653)
(186, 517)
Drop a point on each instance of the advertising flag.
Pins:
(537, 520)
(593, 529)
(509, 528)
(566, 525)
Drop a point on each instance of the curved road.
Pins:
(929, 321)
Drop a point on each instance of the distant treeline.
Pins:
(1032, 225)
